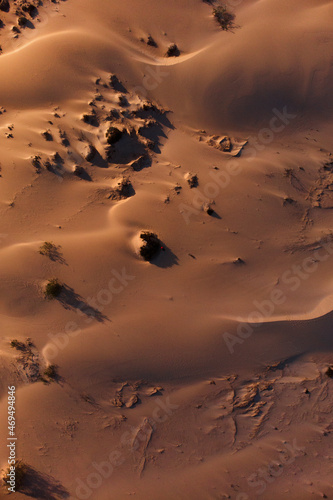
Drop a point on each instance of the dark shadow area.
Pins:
(173, 51)
(55, 166)
(88, 399)
(64, 139)
(134, 145)
(123, 190)
(214, 215)
(27, 24)
(239, 262)
(42, 486)
(30, 9)
(117, 85)
(165, 258)
(154, 134)
(69, 299)
(155, 131)
(81, 173)
(127, 191)
(143, 162)
(4, 5)
(47, 135)
(56, 255)
(224, 18)
(126, 150)
(90, 119)
(51, 375)
(283, 364)
(98, 160)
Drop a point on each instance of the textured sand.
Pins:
(167, 386)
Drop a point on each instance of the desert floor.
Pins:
(202, 374)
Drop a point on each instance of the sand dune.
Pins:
(204, 371)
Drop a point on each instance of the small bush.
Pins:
(173, 51)
(193, 181)
(30, 8)
(51, 372)
(113, 80)
(90, 118)
(113, 135)
(46, 134)
(151, 246)
(21, 470)
(4, 5)
(288, 172)
(90, 153)
(223, 17)
(22, 21)
(53, 288)
(16, 344)
(122, 100)
(47, 248)
(151, 41)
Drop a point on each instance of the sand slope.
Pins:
(202, 374)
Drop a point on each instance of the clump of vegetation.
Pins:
(90, 118)
(125, 187)
(21, 470)
(47, 248)
(22, 21)
(78, 170)
(47, 134)
(288, 172)
(113, 80)
(16, 344)
(4, 5)
(173, 51)
(122, 100)
(193, 181)
(30, 8)
(151, 245)
(53, 288)
(208, 209)
(51, 372)
(151, 41)
(35, 160)
(113, 135)
(223, 17)
(239, 262)
(123, 190)
(226, 145)
(90, 153)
